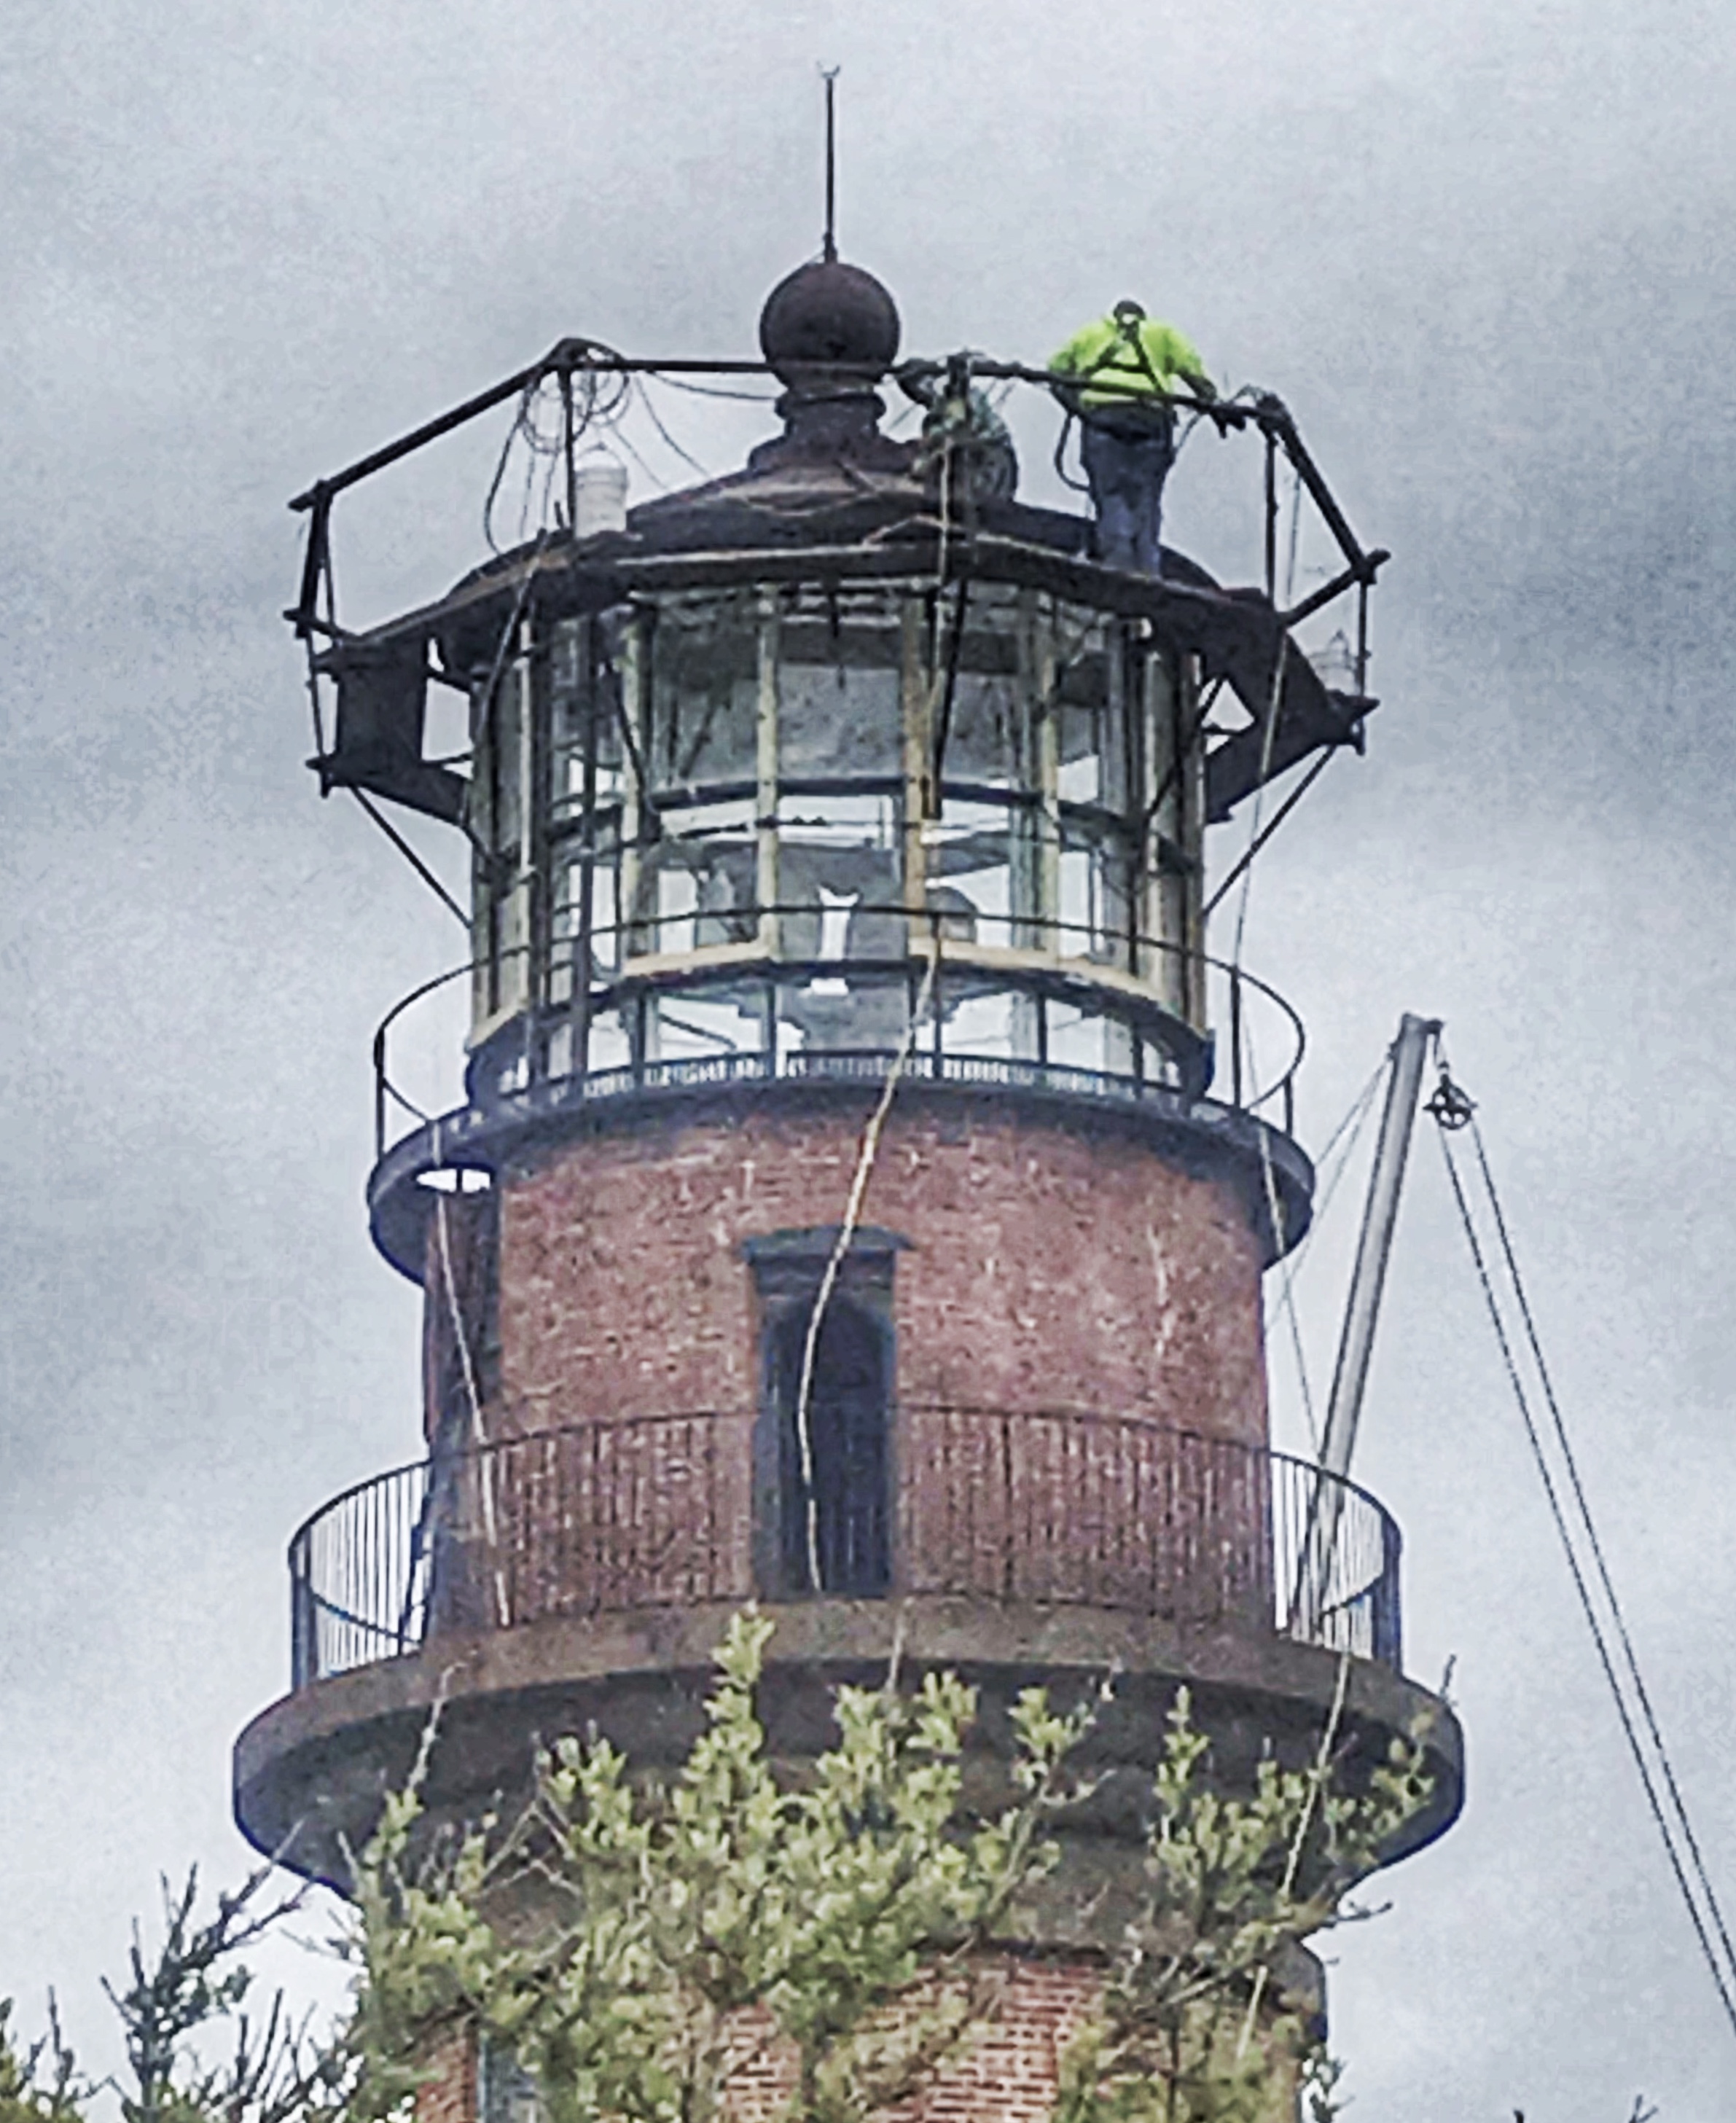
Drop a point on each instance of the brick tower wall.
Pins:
(1042, 1269)
(1007, 2069)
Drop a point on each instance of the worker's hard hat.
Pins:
(1128, 312)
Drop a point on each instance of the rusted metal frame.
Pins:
(339, 636)
(321, 493)
(1172, 827)
(581, 1010)
(1194, 733)
(1336, 719)
(316, 561)
(1023, 823)
(1362, 571)
(1235, 1036)
(916, 695)
(1115, 853)
(632, 699)
(632, 717)
(1190, 740)
(1047, 704)
(485, 805)
(512, 892)
(1319, 492)
(1141, 772)
(409, 856)
(569, 354)
(950, 682)
(936, 1011)
(1161, 719)
(1014, 561)
(537, 739)
(1362, 636)
(1327, 754)
(568, 443)
(581, 587)
(766, 760)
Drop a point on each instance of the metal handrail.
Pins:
(1262, 410)
(727, 964)
(1060, 1507)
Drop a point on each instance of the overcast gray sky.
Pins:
(1484, 252)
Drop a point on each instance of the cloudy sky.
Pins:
(1483, 250)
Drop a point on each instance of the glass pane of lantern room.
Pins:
(695, 859)
(705, 663)
(839, 710)
(708, 1027)
(839, 876)
(1092, 740)
(697, 881)
(970, 872)
(840, 760)
(987, 736)
(988, 774)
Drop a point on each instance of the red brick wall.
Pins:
(1046, 1268)
(449, 2092)
(1005, 2071)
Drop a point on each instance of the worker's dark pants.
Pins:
(1127, 466)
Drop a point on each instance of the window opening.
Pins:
(848, 1423)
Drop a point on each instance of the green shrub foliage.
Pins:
(631, 1942)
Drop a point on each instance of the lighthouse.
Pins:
(856, 1173)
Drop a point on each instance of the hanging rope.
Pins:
(1304, 1821)
(1295, 530)
(656, 421)
(467, 1371)
(1267, 740)
(587, 395)
(486, 707)
(1454, 1113)
(1351, 1125)
(841, 1247)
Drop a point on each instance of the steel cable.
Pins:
(1720, 1974)
(1629, 1656)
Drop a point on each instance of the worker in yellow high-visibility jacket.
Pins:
(1127, 426)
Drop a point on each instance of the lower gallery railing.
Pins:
(630, 1512)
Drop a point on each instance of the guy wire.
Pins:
(1587, 1605)
(1628, 1655)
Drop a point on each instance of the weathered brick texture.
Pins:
(1046, 1269)
(449, 2092)
(1006, 2071)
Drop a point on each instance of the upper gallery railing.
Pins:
(1016, 1001)
(1072, 1508)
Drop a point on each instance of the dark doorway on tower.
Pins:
(823, 1476)
(834, 1461)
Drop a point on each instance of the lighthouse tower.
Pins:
(855, 1185)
